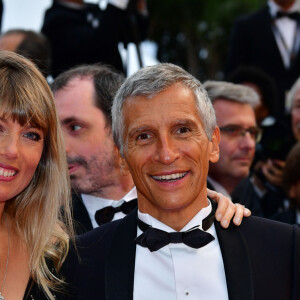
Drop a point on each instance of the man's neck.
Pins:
(175, 219)
(228, 183)
(284, 5)
(116, 191)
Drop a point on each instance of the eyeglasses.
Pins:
(235, 131)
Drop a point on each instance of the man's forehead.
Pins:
(145, 112)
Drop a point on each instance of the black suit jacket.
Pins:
(81, 218)
(253, 44)
(261, 260)
(288, 216)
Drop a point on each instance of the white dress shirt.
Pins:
(177, 271)
(298, 217)
(287, 28)
(93, 203)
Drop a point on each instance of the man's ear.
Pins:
(123, 164)
(215, 141)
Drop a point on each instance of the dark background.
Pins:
(194, 34)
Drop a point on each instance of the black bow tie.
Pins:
(294, 15)
(154, 239)
(106, 214)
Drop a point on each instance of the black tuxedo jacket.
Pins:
(253, 44)
(81, 218)
(261, 260)
(288, 216)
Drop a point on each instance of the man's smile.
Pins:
(169, 177)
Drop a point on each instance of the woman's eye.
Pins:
(34, 136)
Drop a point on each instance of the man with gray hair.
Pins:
(170, 247)
(233, 104)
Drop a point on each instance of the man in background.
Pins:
(269, 39)
(81, 33)
(30, 44)
(234, 106)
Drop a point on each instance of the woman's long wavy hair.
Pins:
(41, 212)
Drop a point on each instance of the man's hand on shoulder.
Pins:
(227, 210)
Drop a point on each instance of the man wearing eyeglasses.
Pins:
(233, 104)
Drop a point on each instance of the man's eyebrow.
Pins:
(69, 120)
(137, 130)
(184, 122)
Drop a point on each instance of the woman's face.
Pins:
(21, 148)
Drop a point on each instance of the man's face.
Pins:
(167, 151)
(236, 153)
(285, 4)
(296, 116)
(90, 149)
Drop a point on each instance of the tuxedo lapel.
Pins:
(81, 216)
(236, 263)
(119, 271)
(269, 40)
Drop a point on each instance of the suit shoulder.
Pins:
(252, 18)
(97, 235)
(269, 230)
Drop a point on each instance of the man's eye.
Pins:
(75, 127)
(231, 130)
(143, 136)
(34, 136)
(183, 130)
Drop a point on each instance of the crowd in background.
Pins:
(256, 103)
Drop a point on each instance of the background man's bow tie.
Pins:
(293, 15)
(106, 214)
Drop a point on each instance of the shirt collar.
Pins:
(298, 216)
(95, 203)
(195, 221)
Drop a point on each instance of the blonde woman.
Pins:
(34, 185)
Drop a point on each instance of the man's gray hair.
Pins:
(290, 98)
(232, 92)
(150, 81)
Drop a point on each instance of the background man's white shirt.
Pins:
(93, 204)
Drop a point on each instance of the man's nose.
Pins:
(167, 151)
(67, 142)
(247, 141)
